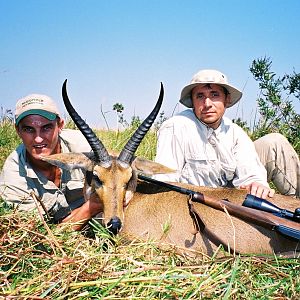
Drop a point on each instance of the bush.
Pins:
(275, 103)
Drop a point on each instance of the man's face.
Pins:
(39, 135)
(209, 103)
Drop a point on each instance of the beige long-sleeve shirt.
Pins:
(18, 180)
(207, 157)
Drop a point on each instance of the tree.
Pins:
(119, 108)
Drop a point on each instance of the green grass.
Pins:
(115, 140)
(68, 265)
(9, 139)
(41, 261)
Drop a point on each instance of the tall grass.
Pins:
(44, 261)
(9, 139)
(68, 265)
(115, 140)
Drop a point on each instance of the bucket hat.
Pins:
(206, 77)
(36, 104)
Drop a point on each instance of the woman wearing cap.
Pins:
(26, 178)
(208, 149)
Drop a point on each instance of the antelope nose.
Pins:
(114, 225)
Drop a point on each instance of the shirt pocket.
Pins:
(199, 170)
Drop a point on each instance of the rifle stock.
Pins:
(265, 219)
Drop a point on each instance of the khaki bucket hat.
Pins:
(209, 76)
(36, 104)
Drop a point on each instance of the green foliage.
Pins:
(119, 108)
(69, 123)
(161, 118)
(277, 113)
(135, 122)
(9, 138)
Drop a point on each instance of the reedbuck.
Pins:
(157, 213)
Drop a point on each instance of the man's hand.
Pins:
(81, 215)
(258, 190)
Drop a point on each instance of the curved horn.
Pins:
(129, 149)
(98, 148)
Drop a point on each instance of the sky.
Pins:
(119, 51)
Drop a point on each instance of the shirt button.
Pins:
(212, 142)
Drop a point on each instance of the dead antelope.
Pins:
(157, 213)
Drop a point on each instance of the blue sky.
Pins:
(120, 51)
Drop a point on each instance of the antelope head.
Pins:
(110, 179)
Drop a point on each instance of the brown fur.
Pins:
(152, 207)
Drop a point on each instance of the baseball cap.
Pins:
(36, 104)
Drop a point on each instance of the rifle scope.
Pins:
(264, 205)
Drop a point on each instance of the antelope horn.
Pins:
(98, 148)
(129, 149)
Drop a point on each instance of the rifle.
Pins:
(264, 205)
(286, 227)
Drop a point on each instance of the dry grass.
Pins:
(69, 265)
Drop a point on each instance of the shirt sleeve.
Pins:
(169, 152)
(16, 189)
(75, 140)
(249, 167)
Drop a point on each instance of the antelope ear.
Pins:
(150, 167)
(70, 161)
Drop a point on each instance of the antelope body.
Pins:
(154, 208)
(145, 211)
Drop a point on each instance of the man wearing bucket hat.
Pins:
(27, 180)
(208, 149)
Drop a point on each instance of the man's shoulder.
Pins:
(73, 136)
(229, 128)
(230, 125)
(15, 160)
(17, 154)
(180, 120)
(65, 133)
(75, 140)
(187, 114)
